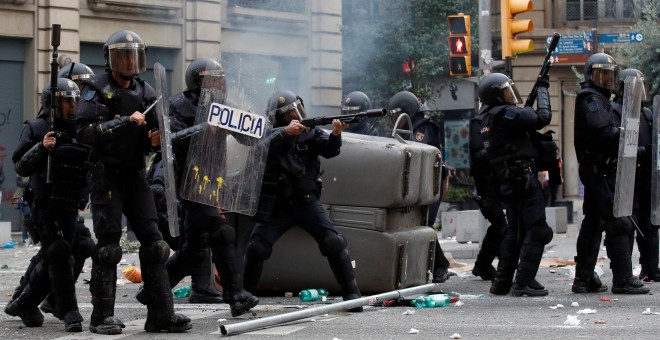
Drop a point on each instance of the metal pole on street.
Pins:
(346, 305)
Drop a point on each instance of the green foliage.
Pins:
(375, 47)
(644, 56)
(459, 193)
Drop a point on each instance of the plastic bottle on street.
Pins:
(433, 300)
(308, 295)
(182, 292)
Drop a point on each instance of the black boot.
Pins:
(202, 289)
(103, 287)
(503, 278)
(48, 306)
(64, 290)
(630, 286)
(586, 279)
(533, 288)
(649, 246)
(440, 265)
(26, 304)
(490, 246)
(619, 251)
(240, 300)
(160, 315)
(345, 275)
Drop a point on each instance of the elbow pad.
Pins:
(543, 109)
(27, 164)
(107, 127)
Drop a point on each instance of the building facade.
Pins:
(262, 44)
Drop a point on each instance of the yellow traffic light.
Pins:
(511, 27)
(459, 45)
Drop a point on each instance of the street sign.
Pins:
(570, 44)
(569, 58)
(581, 43)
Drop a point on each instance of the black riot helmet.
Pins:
(601, 70)
(76, 72)
(125, 53)
(406, 102)
(633, 72)
(283, 106)
(66, 90)
(496, 89)
(200, 68)
(355, 102)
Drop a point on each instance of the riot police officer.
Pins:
(424, 131)
(512, 157)
(78, 72)
(596, 147)
(355, 102)
(111, 120)
(648, 243)
(488, 198)
(54, 207)
(203, 225)
(293, 164)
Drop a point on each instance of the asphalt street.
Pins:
(476, 317)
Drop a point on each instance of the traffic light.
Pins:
(459, 45)
(511, 27)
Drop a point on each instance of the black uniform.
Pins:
(118, 186)
(54, 212)
(512, 156)
(427, 131)
(204, 229)
(294, 164)
(647, 244)
(488, 198)
(596, 146)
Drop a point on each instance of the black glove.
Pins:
(545, 82)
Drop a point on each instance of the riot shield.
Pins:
(226, 160)
(627, 160)
(162, 110)
(655, 179)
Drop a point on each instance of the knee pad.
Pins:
(58, 251)
(619, 226)
(155, 253)
(332, 244)
(541, 234)
(258, 250)
(225, 234)
(108, 255)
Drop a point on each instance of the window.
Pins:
(291, 6)
(614, 10)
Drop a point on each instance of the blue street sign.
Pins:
(579, 43)
(621, 37)
(570, 44)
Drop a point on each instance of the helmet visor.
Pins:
(605, 76)
(215, 82)
(347, 110)
(73, 95)
(129, 59)
(289, 112)
(509, 93)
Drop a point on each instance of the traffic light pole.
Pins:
(485, 38)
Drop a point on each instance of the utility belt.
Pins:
(507, 169)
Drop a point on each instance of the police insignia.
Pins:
(419, 136)
(89, 94)
(510, 114)
(592, 106)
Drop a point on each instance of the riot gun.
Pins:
(55, 42)
(349, 118)
(544, 70)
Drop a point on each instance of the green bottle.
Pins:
(433, 300)
(308, 295)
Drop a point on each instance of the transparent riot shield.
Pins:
(655, 179)
(627, 160)
(226, 160)
(162, 110)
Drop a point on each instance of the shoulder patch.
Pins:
(592, 105)
(89, 93)
(510, 114)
